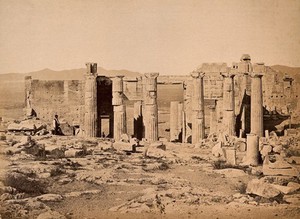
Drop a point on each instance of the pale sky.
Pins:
(166, 36)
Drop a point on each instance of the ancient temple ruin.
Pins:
(214, 98)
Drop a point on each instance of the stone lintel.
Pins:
(256, 75)
(259, 68)
(197, 74)
(228, 74)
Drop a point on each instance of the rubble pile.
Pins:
(44, 168)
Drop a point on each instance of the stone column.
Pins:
(28, 96)
(138, 120)
(150, 107)
(228, 103)
(173, 120)
(119, 107)
(252, 155)
(198, 125)
(180, 121)
(257, 126)
(90, 101)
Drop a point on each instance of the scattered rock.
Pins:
(263, 189)
(49, 198)
(230, 172)
(292, 199)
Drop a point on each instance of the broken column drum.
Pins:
(119, 107)
(90, 101)
(228, 103)
(252, 156)
(198, 125)
(150, 107)
(256, 104)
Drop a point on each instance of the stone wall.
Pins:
(64, 98)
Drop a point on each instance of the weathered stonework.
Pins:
(252, 156)
(150, 106)
(119, 107)
(228, 103)
(257, 126)
(90, 101)
(198, 124)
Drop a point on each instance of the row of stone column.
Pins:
(145, 114)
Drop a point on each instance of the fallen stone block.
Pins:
(283, 189)
(292, 199)
(266, 149)
(231, 172)
(49, 198)
(27, 125)
(55, 151)
(263, 189)
(279, 167)
(278, 149)
(217, 150)
(66, 128)
(74, 153)
(295, 186)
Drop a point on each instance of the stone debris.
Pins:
(261, 188)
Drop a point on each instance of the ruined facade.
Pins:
(214, 98)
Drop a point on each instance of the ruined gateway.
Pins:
(214, 94)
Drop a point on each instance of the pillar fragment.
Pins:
(119, 107)
(198, 126)
(252, 155)
(213, 119)
(90, 101)
(150, 106)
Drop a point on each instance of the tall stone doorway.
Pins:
(105, 112)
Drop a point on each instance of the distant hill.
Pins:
(73, 74)
(294, 72)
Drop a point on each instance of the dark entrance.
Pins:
(104, 107)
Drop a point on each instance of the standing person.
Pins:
(56, 126)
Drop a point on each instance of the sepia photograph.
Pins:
(149, 109)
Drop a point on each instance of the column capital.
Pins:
(228, 74)
(197, 74)
(259, 68)
(256, 75)
(152, 75)
(117, 77)
(91, 68)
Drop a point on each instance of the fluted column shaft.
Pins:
(90, 101)
(119, 107)
(150, 106)
(228, 103)
(256, 105)
(198, 125)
